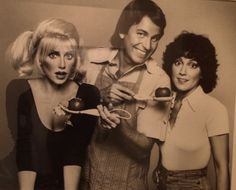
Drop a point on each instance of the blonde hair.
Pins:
(27, 50)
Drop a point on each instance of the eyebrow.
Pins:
(190, 59)
(144, 31)
(141, 30)
(158, 36)
(179, 59)
(54, 51)
(58, 52)
(71, 51)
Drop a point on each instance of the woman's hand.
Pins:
(60, 118)
(108, 120)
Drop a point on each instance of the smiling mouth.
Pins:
(182, 80)
(142, 52)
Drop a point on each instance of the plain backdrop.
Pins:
(96, 20)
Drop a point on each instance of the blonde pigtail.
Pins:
(19, 56)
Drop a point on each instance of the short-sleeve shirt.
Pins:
(187, 144)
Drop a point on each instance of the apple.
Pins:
(76, 104)
(162, 92)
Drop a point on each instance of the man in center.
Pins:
(118, 156)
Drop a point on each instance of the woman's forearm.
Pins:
(220, 151)
(222, 178)
(26, 180)
(71, 177)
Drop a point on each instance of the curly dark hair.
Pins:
(133, 14)
(198, 48)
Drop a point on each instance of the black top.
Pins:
(46, 152)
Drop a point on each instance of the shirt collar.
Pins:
(114, 61)
(195, 98)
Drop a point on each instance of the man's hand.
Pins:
(108, 120)
(119, 93)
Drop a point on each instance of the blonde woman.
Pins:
(50, 150)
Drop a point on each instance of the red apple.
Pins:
(76, 104)
(162, 92)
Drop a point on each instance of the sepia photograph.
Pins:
(117, 95)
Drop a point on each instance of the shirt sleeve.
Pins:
(152, 118)
(217, 121)
(24, 145)
(89, 66)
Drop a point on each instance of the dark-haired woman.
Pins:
(198, 123)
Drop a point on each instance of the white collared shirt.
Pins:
(187, 144)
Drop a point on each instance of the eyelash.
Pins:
(70, 56)
(140, 34)
(53, 55)
(155, 39)
(177, 63)
(193, 65)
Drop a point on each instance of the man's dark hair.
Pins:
(133, 14)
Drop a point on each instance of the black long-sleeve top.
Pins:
(46, 152)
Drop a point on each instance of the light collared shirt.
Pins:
(187, 143)
(151, 121)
